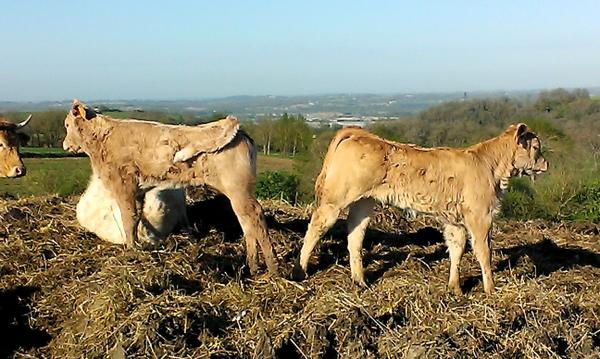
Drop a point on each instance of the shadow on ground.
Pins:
(549, 257)
(332, 248)
(14, 326)
(215, 213)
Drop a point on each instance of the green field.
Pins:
(66, 176)
(63, 176)
(43, 151)
(274, 163)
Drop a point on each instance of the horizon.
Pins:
(201, 50)
(594, 91)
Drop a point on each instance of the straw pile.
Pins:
(65, 294)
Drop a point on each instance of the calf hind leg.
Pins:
(456, 239)
(253, 223)
(358, 221)
(322, 219)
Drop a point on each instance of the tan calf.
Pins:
(461, 187)
(130, 156)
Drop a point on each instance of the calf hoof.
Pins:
(360, 282)
(298, 273)
(253, 269)
(273, 270)
(148, 244)
(456, 290)
(490, 290)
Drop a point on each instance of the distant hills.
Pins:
(251, 107)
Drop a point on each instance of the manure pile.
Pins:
(66, 294)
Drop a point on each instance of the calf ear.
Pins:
(83, 112)
(521, 130)
(23, 139)
(78, 109)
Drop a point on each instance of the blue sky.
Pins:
(55, 50)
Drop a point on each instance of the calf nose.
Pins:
(19, 171)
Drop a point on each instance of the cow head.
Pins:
(76, 121)
(11, 164)
(528, 159)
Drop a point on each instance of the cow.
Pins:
(11, 165)
(462, 187)
(130, 156)
(164, 209)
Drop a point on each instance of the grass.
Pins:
(66, 176)
(43, 151)
(62, 176)
(274, 163)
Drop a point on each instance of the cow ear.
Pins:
(23, 139)
(521, 130)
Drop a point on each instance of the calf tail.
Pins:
(339, 137)
(251, 149)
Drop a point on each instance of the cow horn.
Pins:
(24, 123)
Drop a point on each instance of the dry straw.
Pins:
(65, 294)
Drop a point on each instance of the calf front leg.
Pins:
(125, 192)
(480, 241)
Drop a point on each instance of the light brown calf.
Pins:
(130, 156)
(461, 187)
(11, 164)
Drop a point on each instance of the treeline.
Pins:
(287, 135)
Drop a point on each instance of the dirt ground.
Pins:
(66, 294)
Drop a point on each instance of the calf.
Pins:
(131, 155)
(461, 187)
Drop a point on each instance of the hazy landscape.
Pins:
(251, 107)
(67, 294)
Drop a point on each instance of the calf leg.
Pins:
(480, 241)
(251, 218)
(125, 194)
(322, 219)
(358, 220)
(456, 239)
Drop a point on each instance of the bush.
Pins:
(520, 201)
(585, 205)
(277, 185)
